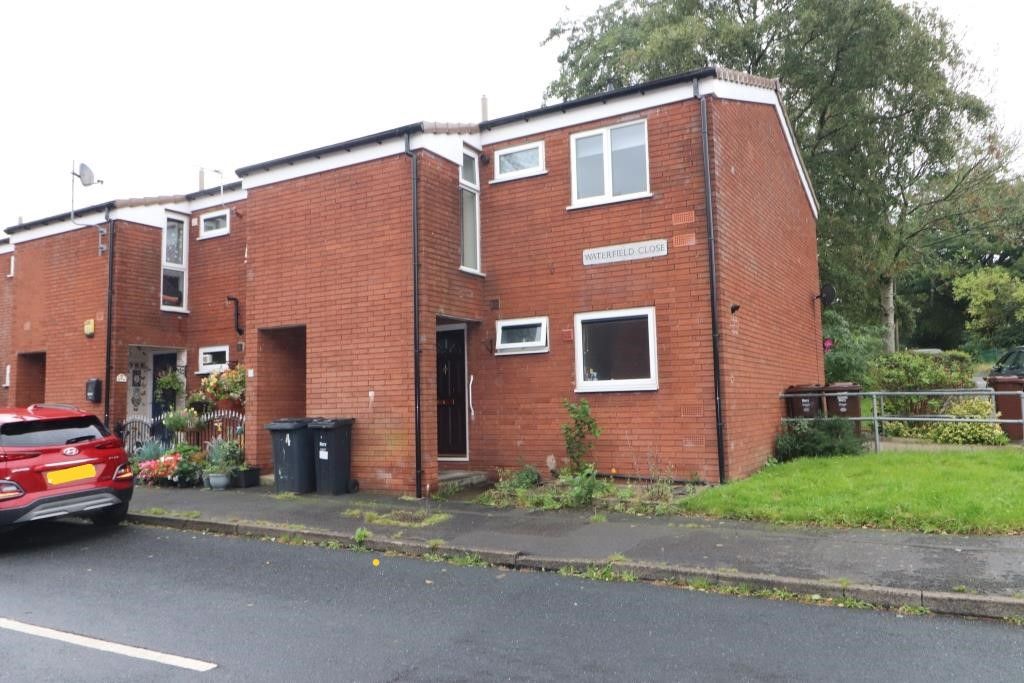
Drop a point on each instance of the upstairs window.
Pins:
(610, 164)
(174, 271)
(521, 335)
(469, 209)
(616, 350)
(519, 162)
(214, 224)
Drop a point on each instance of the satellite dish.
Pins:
(828, 295)
(86, 175)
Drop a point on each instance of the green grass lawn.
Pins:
(963, 493)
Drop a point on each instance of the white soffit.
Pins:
(215, 200)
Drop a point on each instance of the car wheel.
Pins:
(111, 516)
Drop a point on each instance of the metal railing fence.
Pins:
(227, 424)
(879, 416)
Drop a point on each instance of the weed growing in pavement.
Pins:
(1015, 619)
(913, 610)
(598, 518)
(360, 537)
(433, 557)
(435, 543)
(467, 560)
(181, 514)
(446, 490)
(605, 572)
(287, 495)
(415, 519)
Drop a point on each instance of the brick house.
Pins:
(650, 249)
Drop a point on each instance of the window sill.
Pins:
(519, 352)
(170, 309)
(453, 458)
(471, 271)
(531, 174)
(211, 235)
(616, 385)
(609, 200)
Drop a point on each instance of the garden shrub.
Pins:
(854, 347)
(910, 371)
(969, 432)
(577, 433)
(820, 437)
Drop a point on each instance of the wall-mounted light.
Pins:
(734, 308)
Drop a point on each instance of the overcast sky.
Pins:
(146, 93)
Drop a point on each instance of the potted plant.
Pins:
(224, 460)
(182, 421)
(227, 388)
(169, 384)
(199, 402)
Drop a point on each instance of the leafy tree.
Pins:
(878, 96)
(995, 305)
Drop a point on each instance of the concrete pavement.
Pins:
(965, 575)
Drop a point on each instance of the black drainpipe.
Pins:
(110, 317)
(238, 325)
(713, 277)
(416, 349)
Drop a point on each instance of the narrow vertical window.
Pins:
(7, 375)
(174, 271)
(10, 273)
(469, 209)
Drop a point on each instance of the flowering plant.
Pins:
(182, 466)
(226, 384)
(183, 420)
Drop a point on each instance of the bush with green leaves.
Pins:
(579, 488)
(969, 432)
(578, 432)
(914, 371)
(853, 349)
(820, 437)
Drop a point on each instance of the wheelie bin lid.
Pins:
(284, 424)
(330, 422)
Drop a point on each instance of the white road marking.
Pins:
(106, 646)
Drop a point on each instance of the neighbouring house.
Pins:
(650, 249)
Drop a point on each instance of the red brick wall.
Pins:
(216, 271)
(281, 356)
(768, 265)
(138, 320)
(532, 254)
(6, 313)
(59, 283)
(332, 252)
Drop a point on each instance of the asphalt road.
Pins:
(269, 611)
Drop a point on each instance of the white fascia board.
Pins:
(153, 216)
(329, 162)
(201, 203)
(588, 113)
(446, 145)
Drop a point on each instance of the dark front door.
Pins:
(162, 401)
(451, 393)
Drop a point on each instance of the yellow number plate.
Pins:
(71, 474)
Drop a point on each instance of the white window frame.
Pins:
(541, 346)
(10, 272)
(606, 156)
(7, 376)
(205, 234)
(182, 267)
(475, 189)
(207, 368)
(540, 169)
(583, 385)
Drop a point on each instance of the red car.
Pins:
(56, 460)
